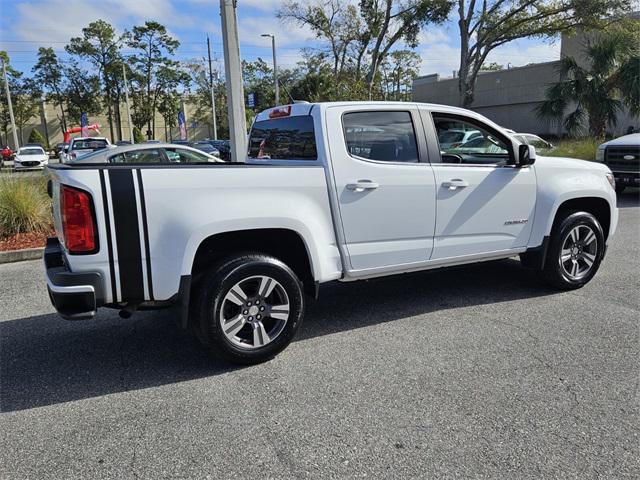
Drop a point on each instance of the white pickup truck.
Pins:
(330, 191)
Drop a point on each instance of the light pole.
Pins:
(10, 105)
(126, 97)
(275, 66)
(233, 78)
(213, 95)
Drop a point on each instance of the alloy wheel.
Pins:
(254, 312)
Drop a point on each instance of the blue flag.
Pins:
(182, 124)
(84, 123)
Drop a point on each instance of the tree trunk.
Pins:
(463, 74)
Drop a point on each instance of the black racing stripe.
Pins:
(107, 226)
(145, 231)
(125, 222)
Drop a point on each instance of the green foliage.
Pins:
(137, 135)
(24, 205)
(598, 91)
(584, 148)
(485, 26)
(358, 40)
(36, 137)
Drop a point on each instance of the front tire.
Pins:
(248, 308)
(575, 251)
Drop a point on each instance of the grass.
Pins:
(24, 205)
(583, 148)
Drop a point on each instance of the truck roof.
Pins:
(296, 109)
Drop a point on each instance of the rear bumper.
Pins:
(76, 296)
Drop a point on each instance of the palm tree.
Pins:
(598, 92)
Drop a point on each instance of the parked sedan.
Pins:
(535, 140)
(147, 153)
(31, 157)
(207, 148)
(5, 155)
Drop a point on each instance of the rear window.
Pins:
(288, 138)
(89, 144)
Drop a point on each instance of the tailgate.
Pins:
(90, 181)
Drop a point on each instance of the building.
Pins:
(509, 97)
(48, 123)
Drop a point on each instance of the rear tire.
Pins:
(248, 308)
(576, 249)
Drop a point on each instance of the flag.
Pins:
(182, 123)
(84, 124)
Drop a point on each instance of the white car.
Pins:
(622, 156)
(147, 154)
(330, 191)
(451, 138)
(535, 140)
(30, 158)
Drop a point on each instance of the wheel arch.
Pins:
(285, 244)
(599, 207)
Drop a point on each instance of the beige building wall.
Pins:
(53, 128)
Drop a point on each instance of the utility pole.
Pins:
(213, 96)
(126, 98)
(233, 73)
(275, 66)
(10, 105)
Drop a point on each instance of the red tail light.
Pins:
(78, 221)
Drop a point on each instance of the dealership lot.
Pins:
(472, 371)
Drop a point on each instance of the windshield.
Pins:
(31, 151)
(89, 144)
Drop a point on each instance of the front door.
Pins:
(484, 203)
(386, 195)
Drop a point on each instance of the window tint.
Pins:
(147, 155)
(93, 144)
(286, 138)
(385, 136)
(477, 146)
(181, 155)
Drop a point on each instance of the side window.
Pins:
(150, 155)
(383, 136)
(181, 155)
(467, 143)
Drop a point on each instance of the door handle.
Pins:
(455, 183)
(362, 185)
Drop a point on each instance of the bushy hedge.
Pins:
(24, 205)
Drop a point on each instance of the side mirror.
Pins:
(526, 155)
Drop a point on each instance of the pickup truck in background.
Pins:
(80, 146)
(330, 191)
(622, 156)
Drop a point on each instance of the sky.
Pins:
(29, 24)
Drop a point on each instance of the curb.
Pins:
(11, 256)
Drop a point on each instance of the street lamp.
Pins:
(275, 65)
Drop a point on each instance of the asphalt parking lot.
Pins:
(470, 372)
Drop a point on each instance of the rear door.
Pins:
(384, 185)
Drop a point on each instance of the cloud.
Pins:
(440, 52)
(55, 21)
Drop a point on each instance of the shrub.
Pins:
(138, 136)
(583, 148)
(36, 137)
(24, 205)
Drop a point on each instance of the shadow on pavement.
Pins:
(45, 360)
(629, 198)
